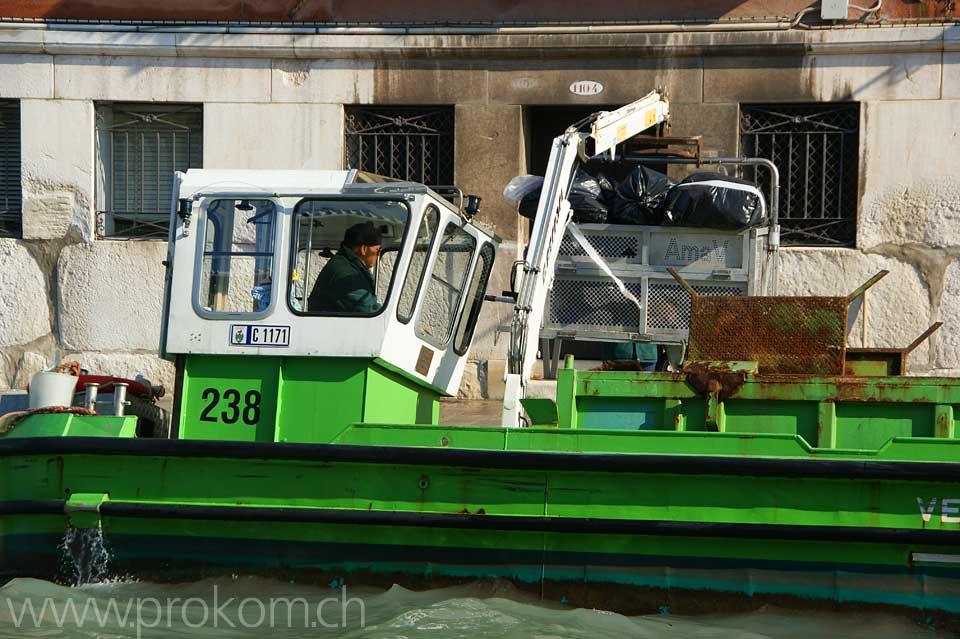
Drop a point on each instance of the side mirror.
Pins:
(185, 212)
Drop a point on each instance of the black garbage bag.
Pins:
(713, 200)
(638, 196)
(528, 203)
(589, 197)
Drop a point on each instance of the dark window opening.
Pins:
(406, 143)
(10, 189)
(816, 148)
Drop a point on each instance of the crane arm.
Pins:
(574, 146)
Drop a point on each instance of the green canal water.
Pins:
(242, 606)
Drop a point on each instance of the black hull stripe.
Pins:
(531, 524)
(32, 507)
(579, 525)
(469, 458)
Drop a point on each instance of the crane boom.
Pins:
(607, 129)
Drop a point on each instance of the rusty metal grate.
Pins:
(793, 335)
(816, 149)
(406, 143)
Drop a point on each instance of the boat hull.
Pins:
(566, 524)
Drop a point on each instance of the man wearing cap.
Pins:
(345, 284)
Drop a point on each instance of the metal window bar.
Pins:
(141, 149)
(816, 149)
(10, 189)
(406, 143)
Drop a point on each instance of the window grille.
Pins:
(406, 143)
(10, 193)
(816, 150)
(139, 147)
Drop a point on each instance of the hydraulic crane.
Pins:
(596, 135)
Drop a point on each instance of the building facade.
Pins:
(862, 117)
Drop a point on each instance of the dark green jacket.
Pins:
(344, 286)
(630, 351)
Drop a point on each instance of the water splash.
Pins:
(84, 557)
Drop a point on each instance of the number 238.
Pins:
(250, 411)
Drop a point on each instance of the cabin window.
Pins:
(475, 293)
(138, 149)
(236, 273)
(438, 310)
(413, 282)
(331, 277)
(10, 195)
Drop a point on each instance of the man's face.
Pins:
(368, 255)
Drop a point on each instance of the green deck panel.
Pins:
(642, 442)
(870, 425)
(68, 425)
(392, 397)
(332, 388)
(541, 411)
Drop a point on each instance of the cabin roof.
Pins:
(265, 183)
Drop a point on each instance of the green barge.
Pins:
(305, 440)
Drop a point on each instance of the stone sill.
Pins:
(366, 43)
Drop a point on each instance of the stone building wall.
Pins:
(274, 100)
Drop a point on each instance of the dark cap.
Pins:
(363, 234)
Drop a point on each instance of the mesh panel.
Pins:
(610, 246)
(598, 304)
(593, 303)
(668, 305)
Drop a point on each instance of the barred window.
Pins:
(406, 143)
(816, 148)
(139, 147)
(10, 194)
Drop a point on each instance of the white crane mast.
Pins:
(606, 131)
